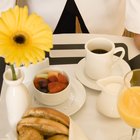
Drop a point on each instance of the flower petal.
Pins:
(3, 28)
(9, 19)
(23, 17)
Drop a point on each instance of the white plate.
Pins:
(73, 104)
(119, 69)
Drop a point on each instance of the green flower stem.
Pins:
(13, 72)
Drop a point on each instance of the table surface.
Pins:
(95, 125)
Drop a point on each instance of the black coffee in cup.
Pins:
(99, 51)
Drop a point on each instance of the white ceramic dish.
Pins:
(73, 103)
(56, 98)
(119, 69)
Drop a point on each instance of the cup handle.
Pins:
(119, 49)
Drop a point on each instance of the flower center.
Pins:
(19, 39)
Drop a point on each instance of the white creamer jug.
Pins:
(107, 100)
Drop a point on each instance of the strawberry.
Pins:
(52, 78)
(62, 78)
(54, 87)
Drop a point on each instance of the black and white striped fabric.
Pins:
(73, 53)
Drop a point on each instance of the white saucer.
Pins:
(119, 69)
(75, 101)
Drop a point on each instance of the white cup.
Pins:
(99, 65)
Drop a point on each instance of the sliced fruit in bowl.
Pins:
(51, 82)
(51, 86)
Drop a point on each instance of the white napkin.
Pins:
(75, 132)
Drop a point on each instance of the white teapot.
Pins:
(107, 100)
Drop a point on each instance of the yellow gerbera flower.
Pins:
(23, 38)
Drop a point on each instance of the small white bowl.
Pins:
(52, 99)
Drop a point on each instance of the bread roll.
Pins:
(58, 137)
(48, 113)
(44, 126)
(28, 133)
(42, 123)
